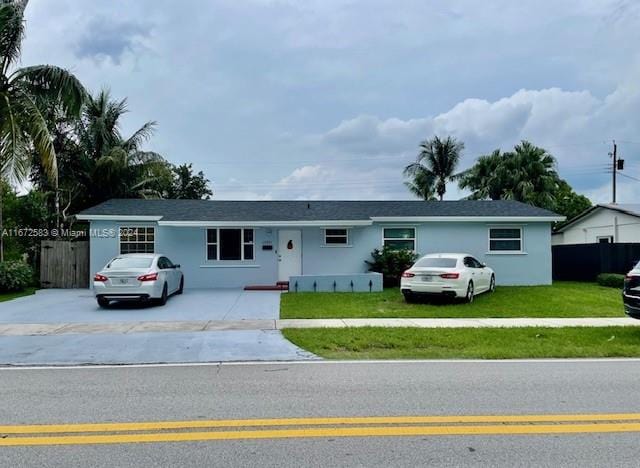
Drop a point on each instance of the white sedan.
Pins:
(455, 275)
(138, 277)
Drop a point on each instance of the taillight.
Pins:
(100, 278)
(450, 275)
(149, 277)
(408, 274)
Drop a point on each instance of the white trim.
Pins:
(414, 238)
(609, 238)
(505, 252)
(331, 246)
(488, 219)
(117, 218)
(240, 224)
(235, 265)
(340, 223)
(218, 244)
(134, 226)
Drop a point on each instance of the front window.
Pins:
(230, 244)
(336, 237)
(399, 238)
(137, 239)
(505, 240)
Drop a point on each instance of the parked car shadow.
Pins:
(130, 305)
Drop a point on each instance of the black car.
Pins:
(631, 293)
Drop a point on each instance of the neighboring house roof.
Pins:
(631, 209)
(186, 212)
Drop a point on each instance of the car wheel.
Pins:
(469, 296)
(165, 293)
(492, 284)
(409, 298)
(102, 302)
(181, 288)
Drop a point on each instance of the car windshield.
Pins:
(436, 262)
(122, 263)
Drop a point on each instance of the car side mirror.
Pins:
(176, 265)
(484, 265)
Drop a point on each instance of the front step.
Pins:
(279, 286)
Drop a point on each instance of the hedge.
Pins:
(15, 276)
(611, 280)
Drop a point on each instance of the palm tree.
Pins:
(422, 182)
(113, 166)
(23, 91)
(533, 175)
(526, 174)
(434, 167)
(486, 178)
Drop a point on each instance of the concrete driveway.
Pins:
(134, 345)
(79, 305)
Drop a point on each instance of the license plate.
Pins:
(427, 278)
(122, 281)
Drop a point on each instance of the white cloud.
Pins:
(331, 98)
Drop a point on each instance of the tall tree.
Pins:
(527, 174)
(569, 203)
(111, 165)
(435, 165)
(533, 173)
(188, 185)
(23, 91)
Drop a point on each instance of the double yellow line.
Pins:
(237, 429)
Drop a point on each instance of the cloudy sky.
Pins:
(284, 99)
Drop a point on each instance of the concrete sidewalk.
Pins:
(75, 328)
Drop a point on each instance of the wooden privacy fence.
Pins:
(64, 264)
(583, 262)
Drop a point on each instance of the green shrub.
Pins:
(391, 263)
(15, 276)
(610, 280)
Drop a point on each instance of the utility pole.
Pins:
(614, 155)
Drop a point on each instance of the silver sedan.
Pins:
(138, 277)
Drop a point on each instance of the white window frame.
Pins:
(129, 226)
(414, 238)
(507, 252)
(217, 244)
(347, 235)
(609, 239)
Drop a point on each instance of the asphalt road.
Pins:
(212, 403)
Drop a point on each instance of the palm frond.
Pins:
(12, 150)
(140, 136)
(11, 32)
(35, 125)
(53, 84)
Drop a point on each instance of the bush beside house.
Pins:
(611, 280)
(15, 276)
(391, 263)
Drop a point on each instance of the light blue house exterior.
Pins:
(226, 244)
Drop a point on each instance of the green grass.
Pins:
(14, 295)
(467, 343)
(562, 299)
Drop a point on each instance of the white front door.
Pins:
(289, 254)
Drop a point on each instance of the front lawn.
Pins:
(14, 295)
(467, 343)
(562, 299)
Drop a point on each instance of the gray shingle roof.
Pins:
(224, 210)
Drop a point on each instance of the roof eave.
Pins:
(488, 219)
(330, 222)
(97, 217)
